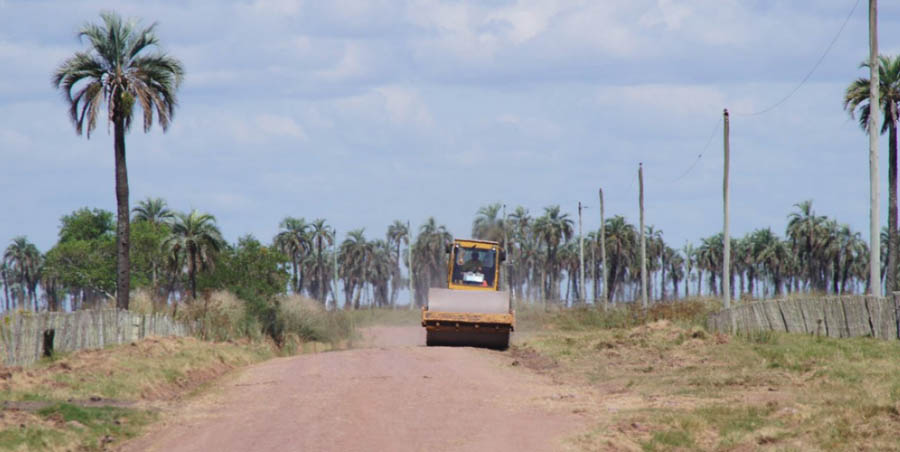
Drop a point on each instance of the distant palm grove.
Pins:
(177, 257)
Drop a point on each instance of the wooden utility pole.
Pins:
(603, 252)
(593, 275)
(581, 294)
(334, 287)
(409, 250)
(726, 245)
(874, 113)
(643, 239)
(506, 250)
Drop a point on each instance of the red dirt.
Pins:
(397, 395)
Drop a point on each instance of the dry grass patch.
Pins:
(92, 399)
(673, 386)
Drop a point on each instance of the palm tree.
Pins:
(621, 238)
(857, 99)
(354, 254)
(378, 271)
(773, 256)
(397, 234)
(293, 240)
(554, 229)
(198, 239)
(320, 235)
(4, 279)
(487, 224)
(689, 261)
(24, 261)
(118, 71)
(153, 210)
(430, 258)
(805, 230)
(676, 268)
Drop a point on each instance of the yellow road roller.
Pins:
(472, 310)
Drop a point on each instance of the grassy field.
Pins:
(670, 385)
(90, 400)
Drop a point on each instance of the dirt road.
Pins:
(395, 395)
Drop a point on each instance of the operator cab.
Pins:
(474, 264)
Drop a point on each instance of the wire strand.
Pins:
(700, 155)
(808, 74)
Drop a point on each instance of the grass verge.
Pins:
(671, 385)
(91, 400)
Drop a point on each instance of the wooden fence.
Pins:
(26, 336)
(838, 316)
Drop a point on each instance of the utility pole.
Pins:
(581, 294)
(593, 275)
(605, 296)
(335, 286)
(507, 262)
(409, 250)
(874, 113)
(726, 246)
(643, 239)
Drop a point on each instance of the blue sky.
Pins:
(365, 112)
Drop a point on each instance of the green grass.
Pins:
(30, 438)
(669, 439)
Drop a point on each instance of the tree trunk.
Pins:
(123, 277)
(891, 277)
(699, 282)
(192, 272)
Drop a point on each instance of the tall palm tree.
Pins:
(857, 99)
(24, 261)
(520, 237)
(355, 251)
(293, 240)
(397, 234)
(488, 225)
(554, 229)
(4, 279)
(320, 235)
(804, 230)
(621, 238)
(378, 271)
(676, 268)
(196, 237)
(156, 212)
(118, 70)
(153, 210)
(430, 258)
(773, 255)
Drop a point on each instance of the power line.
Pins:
(700, 155)
(808, 74)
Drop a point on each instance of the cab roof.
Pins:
(486, 242)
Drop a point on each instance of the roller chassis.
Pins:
(467, 329)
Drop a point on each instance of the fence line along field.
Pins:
(844, 316)
(25, 336)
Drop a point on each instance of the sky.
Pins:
(363, 112)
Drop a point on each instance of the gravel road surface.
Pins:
(392, 395)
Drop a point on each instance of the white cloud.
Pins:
(398, 104)
(669, 13)
(405, 106)
(277, 7)
(666, 99)
(349, 66)
(274, 125)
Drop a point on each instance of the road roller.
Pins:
(472, 310)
